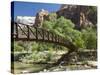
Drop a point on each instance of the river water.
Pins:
(20, 67)
(27, 68)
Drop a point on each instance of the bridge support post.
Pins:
(43, 34)
(28, 33)
(48, 35)
(52, 37)
(36, 33)
(16, 27)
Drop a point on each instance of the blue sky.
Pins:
(31, 8)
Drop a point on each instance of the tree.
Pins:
(89, 36)
(64, 28)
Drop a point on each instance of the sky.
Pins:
(31, 8)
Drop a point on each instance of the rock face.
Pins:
(79, 15)
(40, 17)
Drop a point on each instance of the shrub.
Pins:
(90, 38)
(17, 47)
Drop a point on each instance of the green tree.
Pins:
(90, 38)
(64, 28)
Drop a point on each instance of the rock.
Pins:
(44, 70)
(40, 17)
(92, 63)
(57, 69)
(79, 63)
(25, 71)
(86, 66)
(77, 14)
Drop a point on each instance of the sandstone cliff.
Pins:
(81, 16)
(40, 17)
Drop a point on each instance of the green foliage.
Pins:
(38, 56)
(64, 28)
(90, 38)
(49, 56)
(53, 17)
(21, 46)
(34, 46)
(77, 39)
(92, 13)
(40, 47)
(64, 23)
(17, 47)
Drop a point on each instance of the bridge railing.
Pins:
(23, 31)
(30, 33)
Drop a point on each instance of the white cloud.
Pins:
(25, 20)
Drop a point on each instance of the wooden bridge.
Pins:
(25, 32)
